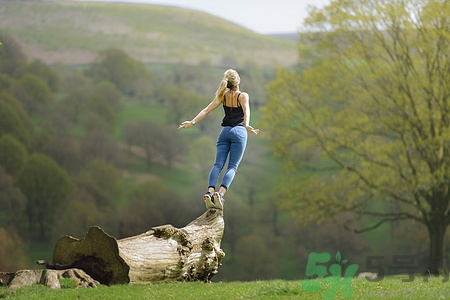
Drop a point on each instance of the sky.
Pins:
(261, 16)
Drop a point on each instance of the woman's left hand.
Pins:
(251, 129)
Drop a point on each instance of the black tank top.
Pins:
(234, 116)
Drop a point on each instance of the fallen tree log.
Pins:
(164, 253)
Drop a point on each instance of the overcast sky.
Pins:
(261, 16)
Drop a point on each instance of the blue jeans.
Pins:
(232, 141)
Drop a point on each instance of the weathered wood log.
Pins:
(164, 253)
(50, 278)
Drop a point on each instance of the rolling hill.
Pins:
(72, 33)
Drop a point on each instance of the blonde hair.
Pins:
(230, 80)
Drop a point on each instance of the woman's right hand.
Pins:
(186, 124)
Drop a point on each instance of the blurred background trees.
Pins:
(98, 145)
(46, 185)
(116, 66)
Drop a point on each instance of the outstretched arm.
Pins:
(245, 103)
(203, 113)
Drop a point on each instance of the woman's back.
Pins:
(232, 99)
(234, 114)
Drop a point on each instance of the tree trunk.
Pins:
(164, 253)
(148, 156)
(437, 261)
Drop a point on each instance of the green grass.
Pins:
(388, 288)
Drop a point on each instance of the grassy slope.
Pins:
(73, 32)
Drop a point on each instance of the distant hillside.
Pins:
(72, 32)
(286, 36)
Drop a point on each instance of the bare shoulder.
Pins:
(244, 96)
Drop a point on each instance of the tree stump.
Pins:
(164, 253)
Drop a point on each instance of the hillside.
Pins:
(72, 32)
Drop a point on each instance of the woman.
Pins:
(232, 139)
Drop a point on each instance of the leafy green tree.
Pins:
(37, 89)
(177, 98)
(57, 121)
(110, 93)
(97, 144)
(365, 129)
(11, 55)
(101, 107)
(19, 110)
(256, 187)
(12, 202)
(62, 149)
(90, 121)
(46, 186)
(41, 70)
(149, 205)
(142, 210)
(116, 66)
(130, 133)
(183, 103)
(76, 101)
(76, 90)
(70, 77)
(253, 82)
(102, 100)
(13, 154)
(5, 82)
(202, 153)
(170, 145)
(144, 134)
(198, 78)
(11, 123)
(78, 215)
(157, 142)
(102, 181)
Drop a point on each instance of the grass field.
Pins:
(388, 288)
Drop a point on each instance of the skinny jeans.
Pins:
(230, 143)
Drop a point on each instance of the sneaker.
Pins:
(209, 200)
(218, 200)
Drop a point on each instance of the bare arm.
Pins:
(202, 114)
(244, 100)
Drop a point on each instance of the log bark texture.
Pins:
(48, 278)
(164, 253)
